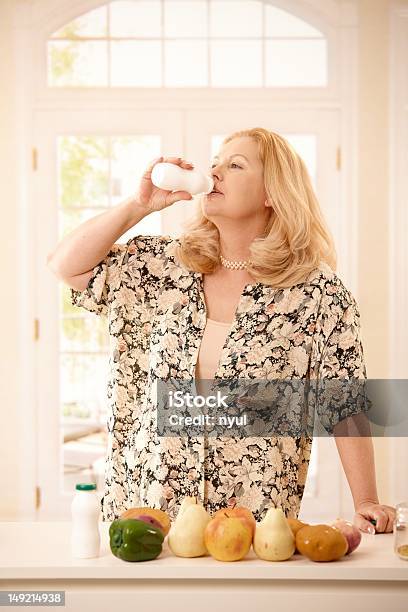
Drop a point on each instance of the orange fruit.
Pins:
(160, 516)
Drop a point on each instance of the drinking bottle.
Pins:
(85, 510)
(171, 177)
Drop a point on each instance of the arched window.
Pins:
(187, 43)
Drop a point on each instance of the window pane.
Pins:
(240, 18)
(83, 166)
(136, 64)
(305, 145)
(296, 63)
(297, 59)
(236, 63)
(216, 142)
(84, 333)
(84, 452)
(90, 25)
(77, 64)
(149, 226)
(83, 385)
(279, 23)
(186, 64)
(185, 19)
(65, 304)
(130, 157)
(135, 19)
(70, 218)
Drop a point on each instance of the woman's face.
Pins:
(238, 173)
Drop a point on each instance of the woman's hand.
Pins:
(150, 197)
(382, 514)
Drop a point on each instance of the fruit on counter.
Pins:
(350, 532)
(321, 543)
(295, 525)
(147, 518)
(134, 540)
(244, 514)
(274, 539)
(227, 538)
(159, 515)
(186, 537)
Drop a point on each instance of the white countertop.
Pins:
(41, 550)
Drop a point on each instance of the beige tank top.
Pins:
(209, 354)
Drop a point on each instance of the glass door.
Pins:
(87, 163)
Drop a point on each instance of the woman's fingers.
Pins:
(179, 161)
(154, 162)
(146, 187)
(174, 160)
(177, 196)
(147, 173)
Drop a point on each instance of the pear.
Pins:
(186, 537)
(274, 540)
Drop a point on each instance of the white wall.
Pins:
(9, 358)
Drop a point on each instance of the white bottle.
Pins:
(171, 177)
(85, 510)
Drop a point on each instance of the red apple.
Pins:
(350, 532)
(161, 517)
(240, 512)
(227, 538)
(151, 520)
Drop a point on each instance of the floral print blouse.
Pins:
(157, 314)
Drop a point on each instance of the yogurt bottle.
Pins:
(85, 510)
(171, 177)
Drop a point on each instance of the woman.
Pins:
(249, 291)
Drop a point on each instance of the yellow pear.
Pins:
(186, 537)
(273, 539)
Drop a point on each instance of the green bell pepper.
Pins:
(134, 540)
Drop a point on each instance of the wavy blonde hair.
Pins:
(296, 238)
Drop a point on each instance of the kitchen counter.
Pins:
(36, 556)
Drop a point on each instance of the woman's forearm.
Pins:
(88, 244)
(357, 458)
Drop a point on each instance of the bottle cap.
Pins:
(85, 486)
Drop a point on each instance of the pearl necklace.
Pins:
(234, 265)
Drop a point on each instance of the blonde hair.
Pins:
(296, 238)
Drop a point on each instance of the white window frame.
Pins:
(306, 10)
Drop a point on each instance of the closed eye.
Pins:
(233, 164)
